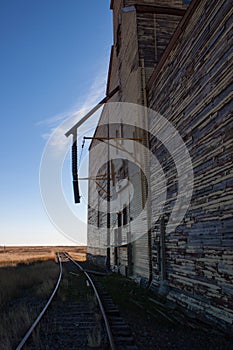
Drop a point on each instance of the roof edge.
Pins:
(109, 70)
(111, 4)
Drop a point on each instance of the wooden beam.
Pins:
(159, 10)
(73, 130)
(112, 138)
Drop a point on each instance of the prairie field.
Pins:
(27, 278)
(11, 256)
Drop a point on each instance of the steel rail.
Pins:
(108, 329)
(29, 332)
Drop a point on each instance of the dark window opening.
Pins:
(98, 219)
(125, 216)
(119, 219)
(123, 172)
(122, 132)
(116, 256)
(113, 173)
(117, 137)
(119, 224)
(143, 189)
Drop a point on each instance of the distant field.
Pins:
(27, 278)
(10, 256)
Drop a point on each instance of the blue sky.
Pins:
(54, 60)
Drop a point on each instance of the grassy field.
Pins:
(27, 278)
(23, 289)
(11, 256)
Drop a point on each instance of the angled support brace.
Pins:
(73, 132)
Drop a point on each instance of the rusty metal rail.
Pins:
(108, 329)
(38, 319)
(31, 329)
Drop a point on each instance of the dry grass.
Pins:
(78, 256)
(77, 253)
(11, 256)
(27, 278)
(22, 290)
(14, 281)
(13, 325)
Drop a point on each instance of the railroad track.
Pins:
(78, 315)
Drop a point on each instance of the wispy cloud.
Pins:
(58, 125)
(54, 119)
(95, 93)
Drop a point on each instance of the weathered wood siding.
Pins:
(96, 241)
(154, 33)
(139, 40)
(193, 89)
(128, 60)
(97, 217)
(125, 71)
